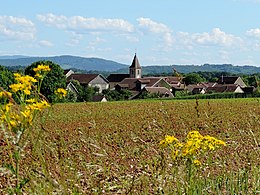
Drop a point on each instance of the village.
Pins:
(157, 86)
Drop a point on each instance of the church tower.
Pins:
(135, 70)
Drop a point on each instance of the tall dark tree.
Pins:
(6, 78)
(54, 79)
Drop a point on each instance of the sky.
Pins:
(162, 32)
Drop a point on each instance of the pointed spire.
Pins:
(135, 63)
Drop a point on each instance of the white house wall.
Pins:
(100, 83)
(239, 90)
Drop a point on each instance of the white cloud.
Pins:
(216, 37)
(17, 28)
(82, 25)
(46, 43)
(96, 41)
(132, 39)
(254, 32)
(157, 28)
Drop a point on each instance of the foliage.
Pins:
(114, 95)
(190, 153)
(84, 93)
(6, 78)
(17, 123)
(54, 79)
(193, 78)
(148, 95)
(158, 70)
(17, 120)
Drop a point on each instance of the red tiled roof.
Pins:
(82, 78)
(117, 77)
(160, 90)
(153, 80)
(227, 79)
(223, 88)
(131, 82)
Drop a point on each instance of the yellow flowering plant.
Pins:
(17, 118)
(191, 150)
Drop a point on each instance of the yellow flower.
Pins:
(170, 139)
(31, 100)
(26, 113)
(8, 107)
(13, 123)
(24, 84)
(38, 105)
(39, 76)
(197, 162)
(5, 94)
(194, 146)
(16, 87)
(43, 68)
(61, 93)
(27, 92)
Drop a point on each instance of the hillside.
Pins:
(102, 65)
(65, 61)
(156, 70)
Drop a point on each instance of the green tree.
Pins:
(84, 93)
(54, 79)
(6, 78)
(193, 78)
(113, 95)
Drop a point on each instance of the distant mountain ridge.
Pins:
(102, 65)
(66, 62)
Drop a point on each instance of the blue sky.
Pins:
(161, 32)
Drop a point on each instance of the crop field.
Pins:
(113, 148)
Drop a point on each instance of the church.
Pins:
(135, 71)
(134, 82)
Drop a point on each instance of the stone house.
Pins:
(91, 80)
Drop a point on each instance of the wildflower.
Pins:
(38, 105)
(24, 84)
(5, 94)
(42, 68)
(13, 123)
(31, 100)
(197, 162)
(168, 140)
(61, 93)
(194, 146)
(8, 107)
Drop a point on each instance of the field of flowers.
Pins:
(114, 148)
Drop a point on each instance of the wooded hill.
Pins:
(98, 64)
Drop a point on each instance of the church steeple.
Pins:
(135, 68)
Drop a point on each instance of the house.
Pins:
(137, 84)
(99, 98)
(91, 80)
(135, 72)
(68, 72)
(71, 87)
(175, 83)
(114, 79)
(226, 88)
(198, 90)
(235, 80)
(249, 89)
(162, 92)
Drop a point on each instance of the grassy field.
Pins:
(113, 148)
